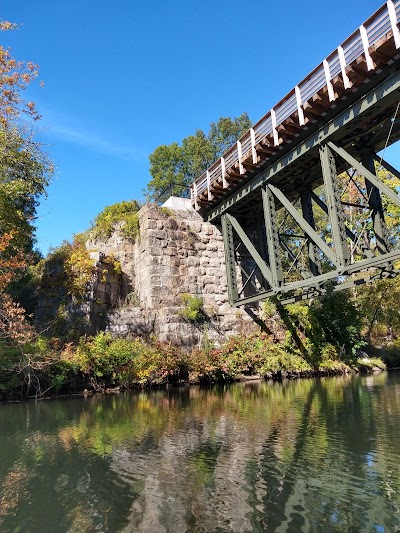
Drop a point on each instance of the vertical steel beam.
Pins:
(272, 235)
(263, 246)
(375, 203)
(229, 247)
(308, 213)
(333, 200)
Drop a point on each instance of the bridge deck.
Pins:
(350, 71)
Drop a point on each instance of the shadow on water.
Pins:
(309, 455)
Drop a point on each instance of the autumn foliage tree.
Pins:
(24, 174)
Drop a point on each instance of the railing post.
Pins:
(274, 130)
(364, 38)
(253, 146)
(225, 184)
(240, 155)
(393, 22)
(195, 195)
(328, 78)
(299, 103)
(342, 59)
(209, 195)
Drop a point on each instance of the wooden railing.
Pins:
(384, 20)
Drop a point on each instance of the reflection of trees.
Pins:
(249, 457)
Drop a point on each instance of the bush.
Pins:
(124, 213)
(193, 307)
(110, 361)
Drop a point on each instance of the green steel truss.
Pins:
(295, 244)
(288, 232)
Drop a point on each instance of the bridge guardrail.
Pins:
(385, 19)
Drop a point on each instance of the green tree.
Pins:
(335, 320)
(24, 169)
(174, 167)
(24, 174)
(166, 169)
(226, 131)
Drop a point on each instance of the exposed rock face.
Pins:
(176, 253)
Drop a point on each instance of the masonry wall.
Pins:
(175, 253)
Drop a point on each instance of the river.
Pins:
(315, 455)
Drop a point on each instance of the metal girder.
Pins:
(362, 247)
(265, 271)
(384, 95)
(375, 203)
(386, 165)
(366, 173)
(336, 215)
(305, 226)
(229, 247)
(311, 262)
(272, 237)
(328, 277)
(263, 245)
(265, 252)
(342, 286)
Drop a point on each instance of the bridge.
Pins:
(282, 193)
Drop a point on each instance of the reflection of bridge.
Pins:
(286, 217)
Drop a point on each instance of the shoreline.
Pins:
(279, 376)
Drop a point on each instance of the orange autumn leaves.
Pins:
(14, 327)
(14, 77)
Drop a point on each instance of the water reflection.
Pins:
(312, 455)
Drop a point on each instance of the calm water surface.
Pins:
(311, 455)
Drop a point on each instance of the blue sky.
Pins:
(124, 77)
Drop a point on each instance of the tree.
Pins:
(166, 168)
(24, 169)
(24, 174)
(174, 167)
(226, 131)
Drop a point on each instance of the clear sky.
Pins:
(124, 77)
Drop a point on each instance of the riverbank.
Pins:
(106, 364)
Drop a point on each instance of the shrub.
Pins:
(109, 361)
(268, 309)
(193, 307)
(124, 213)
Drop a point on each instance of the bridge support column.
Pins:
(272, 236)
(375, 203)
(333, 200)
(263, 246)
(229, 246)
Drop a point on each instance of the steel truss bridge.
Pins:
(287, 217)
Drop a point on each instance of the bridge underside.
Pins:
(321, 214)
